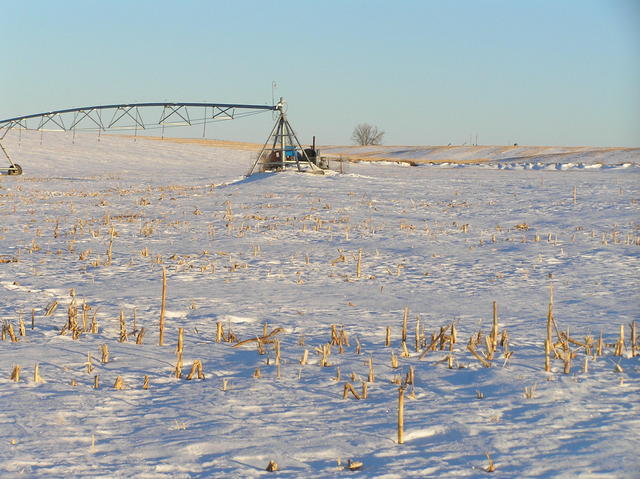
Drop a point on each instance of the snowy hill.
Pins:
(538, 156)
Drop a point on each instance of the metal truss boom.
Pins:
(173, 114)
(285, 150)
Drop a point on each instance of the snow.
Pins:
(282, 249)
(527, 157)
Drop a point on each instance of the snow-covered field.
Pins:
(502, 157)
(103, 218)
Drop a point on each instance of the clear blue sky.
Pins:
(544, 72)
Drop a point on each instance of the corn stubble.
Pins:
(559, 344)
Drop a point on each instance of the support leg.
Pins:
(14, 168)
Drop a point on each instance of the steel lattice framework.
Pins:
(132, 116)
(146, 116)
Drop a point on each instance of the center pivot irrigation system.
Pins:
(282, 150)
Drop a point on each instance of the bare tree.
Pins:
(365, 134)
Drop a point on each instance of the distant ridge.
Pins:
(448, 154)
(234, 145)
(485, 154)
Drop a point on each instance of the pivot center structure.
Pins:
(283, 149)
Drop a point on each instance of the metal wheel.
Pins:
(16, 169)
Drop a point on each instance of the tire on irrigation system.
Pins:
(14, 170)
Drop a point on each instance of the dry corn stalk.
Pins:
(178, 368)
(489, 347)
(443, 337)
(477, 355)
(344, 337)
(109, 252)
(504, 340)
(276, 346)
(372, 376)
(567, 355)
(305, 357)
(600, 345)
(410, 378)
(51, 308)
(548, 342)
(145, 384)
(405, 319)
(11, 333)
(491, 467)
(105, 353)
(219, 332)
(96, 382)
(325, 352)
(72, 317)
(400, 415)
(163, 305)
(430, 347)
(15, 373)
(335, 340)
(547, 355)
(196, 369)
(265, 339)
(619, 349)
(180, 344)
(36, 374)
(530, 391)
(585, 367)
(123, 328)
(85, 315)
(94, 323)
(348, 388)
(494, 329)
(89, 363)
(118, 384)
(140, 336)
(394, 360)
